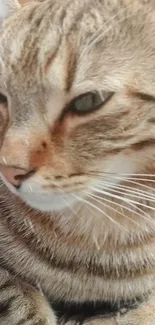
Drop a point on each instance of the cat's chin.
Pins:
(48, 203)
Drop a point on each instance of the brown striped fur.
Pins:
(52, 245)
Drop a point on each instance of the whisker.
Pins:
(99, 210)
(30, 187)
(120, 174)
(132, 201)
(127, 180)
(143, 214)
(132, 194)
(4, 160)
(127, 189)
(128, 201)
(139, 179)
(125, 207)
(70, 207)
(142, 185)
(95, 197)
(130, 180)
(96, 243)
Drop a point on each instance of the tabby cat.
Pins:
(77, 162)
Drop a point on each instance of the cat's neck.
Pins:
(89, 239)
(94, 223)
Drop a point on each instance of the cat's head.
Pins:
(78, 78)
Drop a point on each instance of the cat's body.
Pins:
(65, 264)
(96, 243)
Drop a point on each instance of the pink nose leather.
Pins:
(13, 175)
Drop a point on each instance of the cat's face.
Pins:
(79, 81)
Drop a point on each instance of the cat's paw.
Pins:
(44, 310)
(22, 304)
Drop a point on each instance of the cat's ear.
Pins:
(7, 8)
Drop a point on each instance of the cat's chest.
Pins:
(66, 272)
(71, 266)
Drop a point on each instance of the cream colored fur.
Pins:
(82, 227)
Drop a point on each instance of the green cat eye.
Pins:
(89, 102)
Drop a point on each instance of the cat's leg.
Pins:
(144, 314)
(21, 304)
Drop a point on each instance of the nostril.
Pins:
(22, 177)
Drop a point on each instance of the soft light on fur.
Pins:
(82, 226)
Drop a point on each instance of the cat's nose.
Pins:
(14, 176)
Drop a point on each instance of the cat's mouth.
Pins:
(41, 200)
(40, 195)
(36, 194)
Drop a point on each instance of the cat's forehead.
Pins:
(46, 25)
(72, 44)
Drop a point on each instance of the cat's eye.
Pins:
(89, 102)
(3, 99)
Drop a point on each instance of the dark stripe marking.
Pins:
(89, 310)
(5, 305)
